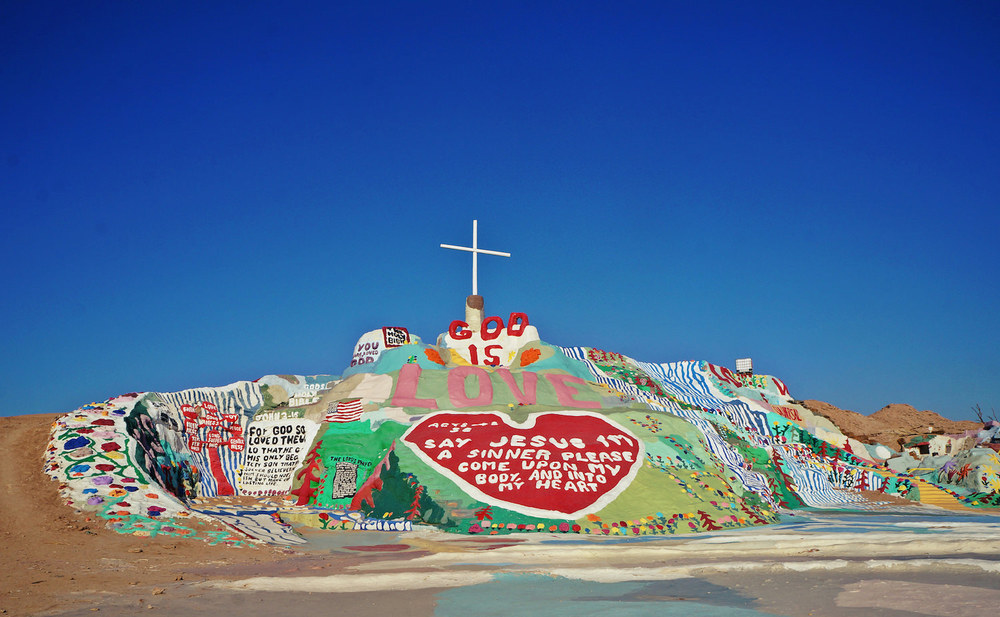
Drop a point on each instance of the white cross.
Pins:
(475, 250)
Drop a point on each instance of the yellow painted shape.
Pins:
(931, 494)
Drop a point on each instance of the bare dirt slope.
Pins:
(53, 557)
(888, 425)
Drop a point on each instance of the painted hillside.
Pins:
(488, 431)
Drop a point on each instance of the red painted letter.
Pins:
(491, 358)
(530, 380)
(456, 387)
(457, 334)
(485, 331)
(406, 389)
(521, 322)
(566, 394)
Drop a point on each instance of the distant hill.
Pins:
(889, 425)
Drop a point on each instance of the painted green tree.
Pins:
(402, 496)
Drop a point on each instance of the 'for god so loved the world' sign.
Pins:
(561, 464)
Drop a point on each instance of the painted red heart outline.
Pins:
(596, 455)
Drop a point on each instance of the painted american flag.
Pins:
(347, 411)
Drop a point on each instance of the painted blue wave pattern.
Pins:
(688, 382)
(715, 443)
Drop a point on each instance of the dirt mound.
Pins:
(890, 425)
(54, 555)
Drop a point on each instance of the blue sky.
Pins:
(195, 194)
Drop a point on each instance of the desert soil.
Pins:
(53, 555)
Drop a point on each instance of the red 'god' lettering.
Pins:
(490, 328)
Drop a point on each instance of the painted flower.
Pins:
(76, 442)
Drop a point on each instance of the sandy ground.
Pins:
(53, 556)
(909, 561)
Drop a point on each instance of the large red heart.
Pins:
(558, 464)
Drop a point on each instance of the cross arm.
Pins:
(477, 250)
